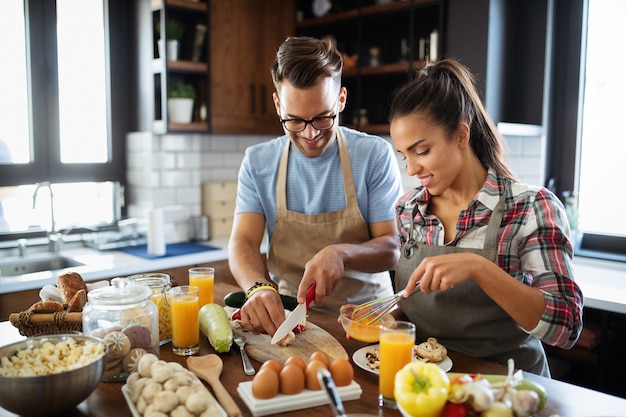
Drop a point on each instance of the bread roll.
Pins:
(69, 284)
(77, 302)
(46, 307)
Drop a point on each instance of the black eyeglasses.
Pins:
(319, 123)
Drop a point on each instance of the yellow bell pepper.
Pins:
(421, 388)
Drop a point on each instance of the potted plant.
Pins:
(174, 32)
(180, 100)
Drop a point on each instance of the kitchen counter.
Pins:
(111, 263)
(603, 282)
(563, 399)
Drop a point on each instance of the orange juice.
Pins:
(185, 324)
(396, 350)
(204, 279)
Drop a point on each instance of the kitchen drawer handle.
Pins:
(252, 99)
(263, 100)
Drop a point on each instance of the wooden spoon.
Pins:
(209, 368)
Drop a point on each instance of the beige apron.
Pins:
(466, 309)
(298, 237)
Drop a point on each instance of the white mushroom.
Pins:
(197, 403)
(145, 364)
(165, 401)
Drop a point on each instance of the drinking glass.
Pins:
(204, 279)
(183, 302)
(397, 340)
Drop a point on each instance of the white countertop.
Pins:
(111, 263)
(603, 282)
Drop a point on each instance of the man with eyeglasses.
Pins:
(324, 194)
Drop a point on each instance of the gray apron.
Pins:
(464, 310)
(298, 237)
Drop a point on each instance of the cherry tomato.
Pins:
(455, 410)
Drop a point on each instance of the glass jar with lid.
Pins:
(159, 283)
(126, 319)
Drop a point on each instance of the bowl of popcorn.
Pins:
(47, 375)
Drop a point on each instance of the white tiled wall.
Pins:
(525, 151)
(167, 171)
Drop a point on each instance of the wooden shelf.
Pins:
(393, 68)
(180, 66)
(365, 11)
(159, 127)
(199, 6)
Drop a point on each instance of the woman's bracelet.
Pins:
(259, 286)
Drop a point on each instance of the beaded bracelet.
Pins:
(259, 286)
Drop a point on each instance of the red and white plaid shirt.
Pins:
(533, 246)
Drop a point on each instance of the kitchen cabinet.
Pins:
(385, 41)
(509, 55)
(245, 36)
(190, 67)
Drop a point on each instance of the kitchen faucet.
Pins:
(55, 239)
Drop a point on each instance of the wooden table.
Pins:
(564, 399)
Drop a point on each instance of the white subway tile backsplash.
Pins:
(168, 170)
(175, 178)
(524, 151)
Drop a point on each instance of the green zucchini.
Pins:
(237, 299)
(215, 324)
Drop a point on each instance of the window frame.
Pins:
(46, 164)
(569, 27)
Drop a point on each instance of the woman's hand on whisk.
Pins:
(443, 272)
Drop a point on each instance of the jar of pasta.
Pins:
(127, 321)
(159, 284)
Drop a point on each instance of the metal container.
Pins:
(52, 394)
(199, 227)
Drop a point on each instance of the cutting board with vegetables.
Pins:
(312, 339)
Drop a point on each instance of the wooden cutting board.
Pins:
(312, 339)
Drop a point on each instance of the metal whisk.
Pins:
(373, 311)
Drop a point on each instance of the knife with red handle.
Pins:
(295, 318)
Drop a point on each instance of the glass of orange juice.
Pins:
(396, 350)
(204, 279)
(183, 302)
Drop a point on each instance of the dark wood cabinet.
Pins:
(507, 45)
(380, 43)
(245, 35)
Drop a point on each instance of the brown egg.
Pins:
(296, 360)
(291, 380)
(272, 364)
(310, 375)
(342, 372)
(265, 384)
(320, 356)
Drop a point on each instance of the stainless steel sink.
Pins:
(49, 262)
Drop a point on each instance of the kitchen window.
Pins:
(602, 140)
(62, 69)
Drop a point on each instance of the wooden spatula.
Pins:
(209, 368)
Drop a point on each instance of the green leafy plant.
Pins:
(173, 28)
(182, 90)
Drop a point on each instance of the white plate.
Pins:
(359, 358)
(135, 413)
